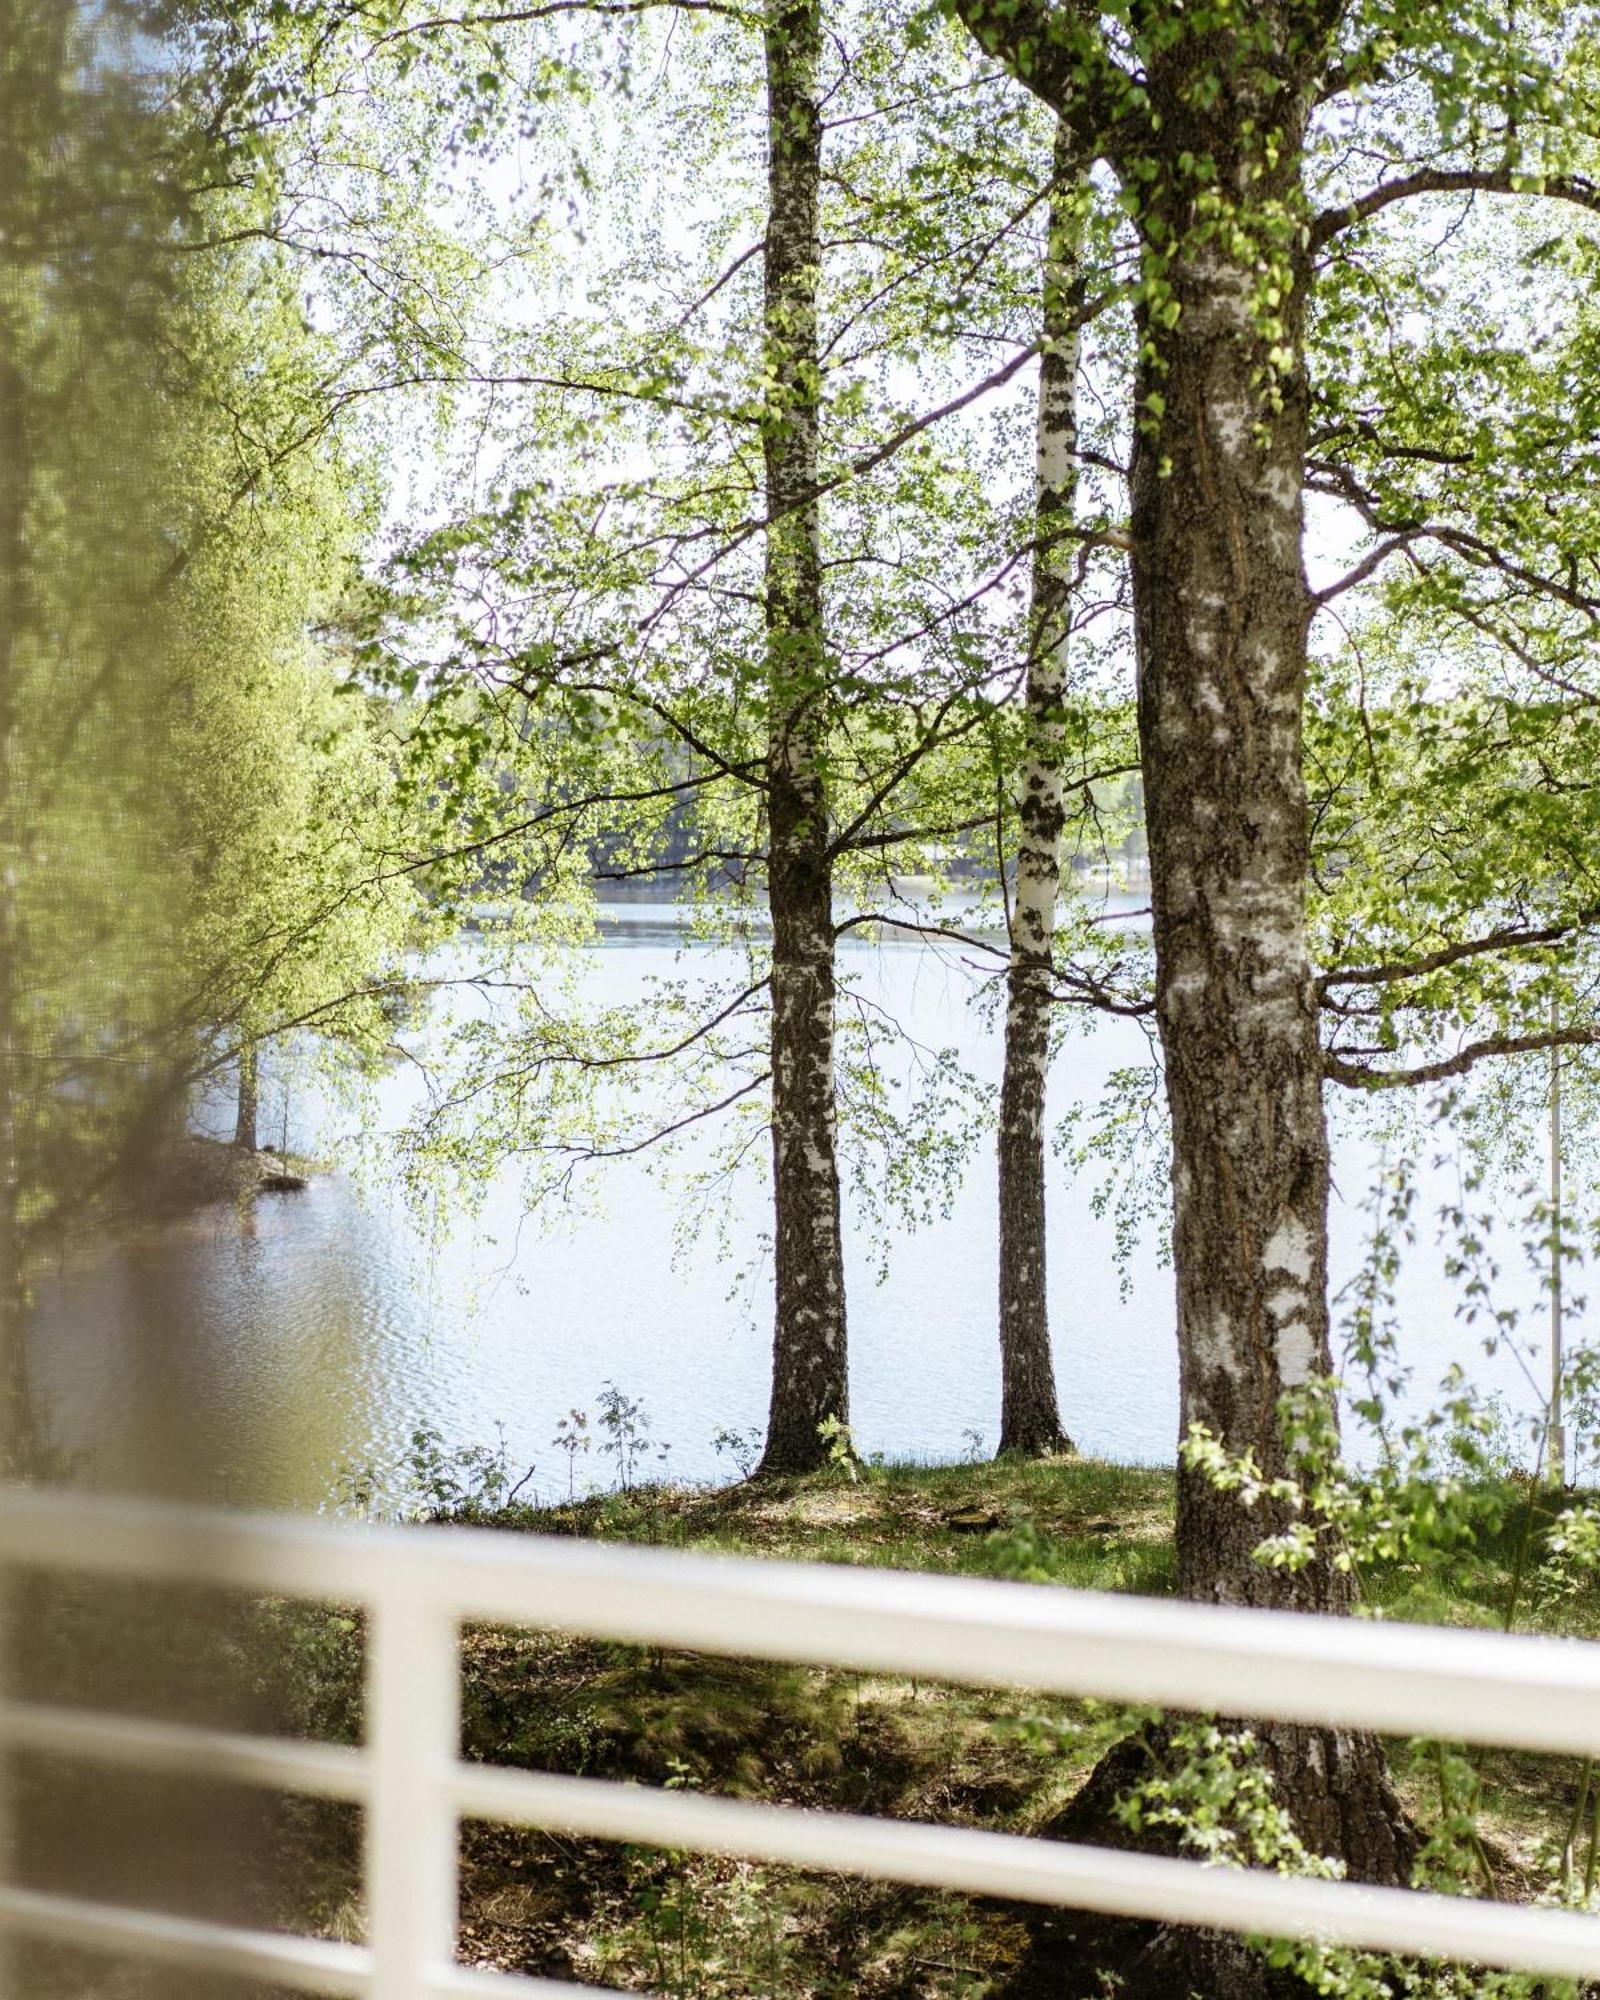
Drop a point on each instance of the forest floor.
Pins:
(712, 1929)
(195, 1171)
(180, 1179)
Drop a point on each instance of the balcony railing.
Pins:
(417, 1586)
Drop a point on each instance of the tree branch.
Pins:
(584, 1154)
(1058, 53)
(1452, 180)
(1373, 560)
(1339, 1069)
(1510, 938)
(553, 9)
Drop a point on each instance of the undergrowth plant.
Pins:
(433, 1480)
(1442, 1509)
(1209, 1788)
(626, 1439)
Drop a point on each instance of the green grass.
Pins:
(1083, 1522)
(707, 1929)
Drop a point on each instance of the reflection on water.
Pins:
(323, 1326)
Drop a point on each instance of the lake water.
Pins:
(319, 1330)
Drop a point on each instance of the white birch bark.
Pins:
(1030, 1419)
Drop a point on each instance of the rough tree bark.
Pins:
(1222, 611)
(1030, 1416)
(1210, 147)
(245, 1118)
(810, 1382)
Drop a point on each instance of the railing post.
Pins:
(413, 1738)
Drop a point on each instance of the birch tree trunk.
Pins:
(810, 1382)
(1222, 611)
(245, 1119)
(1030, 1418)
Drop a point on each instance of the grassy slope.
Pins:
(712, 1928)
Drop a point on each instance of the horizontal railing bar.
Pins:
(321, 1770)
(1526, 1692)
(468, 1982)
(1021, 1868)
(309, 1965)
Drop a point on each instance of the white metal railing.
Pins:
(418, 1585)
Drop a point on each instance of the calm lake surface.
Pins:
(318, 1331)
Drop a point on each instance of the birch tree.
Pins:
(810, 1364)
(1030, 1418)
(751, 605)
(1208, 119)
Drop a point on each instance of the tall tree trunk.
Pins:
(1222, 610)
(18, 1436)
(1030, 1418)
(1210, 151)
(810, 1381)
(244, 1124)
